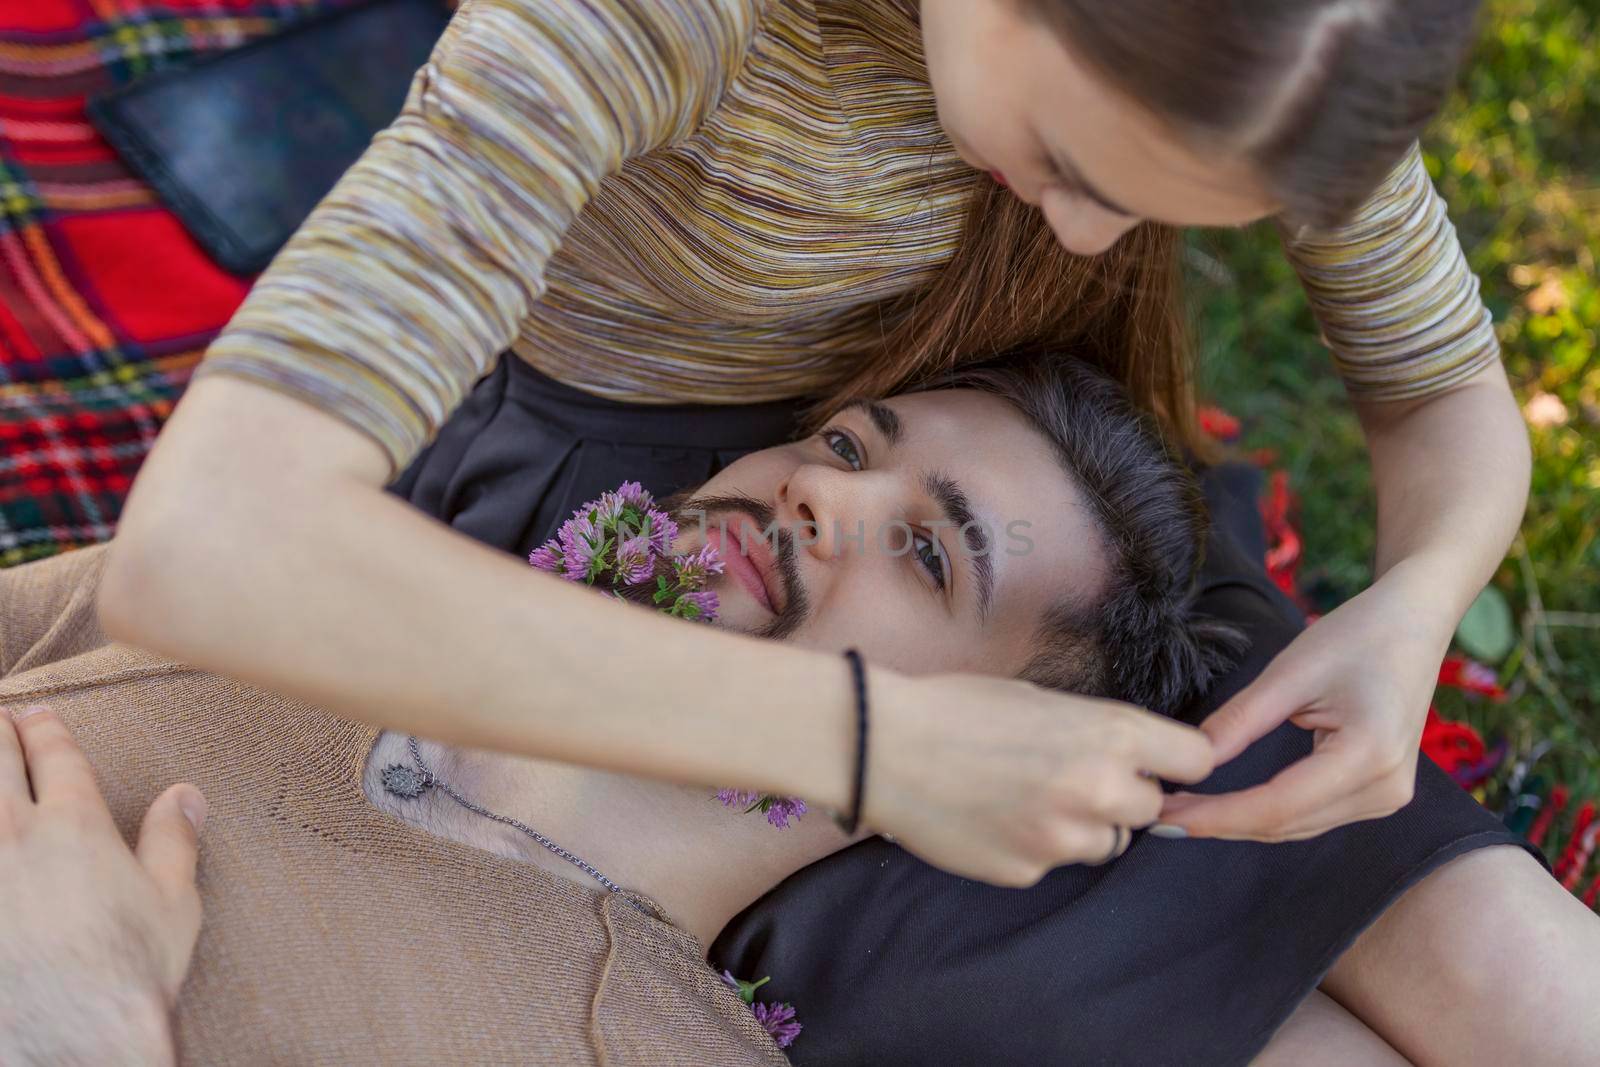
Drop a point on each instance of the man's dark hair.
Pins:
(1140, 639)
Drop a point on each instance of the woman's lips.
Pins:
(751, 567)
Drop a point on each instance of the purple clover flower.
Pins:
(663, 531)
(580, 544)
(635, 494)
(695, 568)
(606, 509)
(776, 1019)
(781, 809)
(779, 1021)
(635, 561)
(704, 605)
(738, 798)
(547, 557)
(582, 552)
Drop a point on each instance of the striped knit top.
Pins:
(705, 200)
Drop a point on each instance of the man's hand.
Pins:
(94, 939)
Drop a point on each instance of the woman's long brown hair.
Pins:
(1011, 285)
(1323, 96)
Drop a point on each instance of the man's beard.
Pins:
(708, 512)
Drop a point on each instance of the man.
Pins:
(1098, 600)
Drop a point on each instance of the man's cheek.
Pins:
(887, 632)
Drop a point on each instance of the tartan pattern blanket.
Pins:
(106, 304)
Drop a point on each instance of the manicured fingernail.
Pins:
(1167, 830)
(193, 806)
(22, 713)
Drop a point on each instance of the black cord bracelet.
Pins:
(858, 671)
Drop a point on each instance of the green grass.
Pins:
(1517, 156)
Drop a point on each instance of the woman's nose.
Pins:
(1083, 227)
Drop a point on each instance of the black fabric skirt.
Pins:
(1179, 952)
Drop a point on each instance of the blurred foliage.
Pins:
(1517, 156)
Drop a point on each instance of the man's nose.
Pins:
(827, 510)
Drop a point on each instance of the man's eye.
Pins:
(840, 444)
(932, 559)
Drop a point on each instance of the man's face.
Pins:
(869, 550)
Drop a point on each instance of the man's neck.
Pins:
(702, 862)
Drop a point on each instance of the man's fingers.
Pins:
(1297, 798)
(13, 771)
(1255, 711)
(168, 849)
(60, 773)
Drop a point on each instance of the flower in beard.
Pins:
(635, 495)
(547, 557)
(583, 546)
(636, 562)
(606, 509)
(695, 568)
(702, 605)
(663, 531)
(620, 541)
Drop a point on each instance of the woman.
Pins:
(351, 915)
(737, 201)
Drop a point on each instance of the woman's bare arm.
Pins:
(1452, 474)
(258, 542)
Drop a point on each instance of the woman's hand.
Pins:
(94, 939)
(1451, 473)
(1361, 678)
(1003, 781)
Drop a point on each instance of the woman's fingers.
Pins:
(1118, 838)
(1129, 801)
(1172, 750)
(60, 774)
(1301, 797)
(1259, 708)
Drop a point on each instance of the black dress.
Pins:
(1179, 952)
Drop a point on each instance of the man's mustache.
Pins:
(688, 510)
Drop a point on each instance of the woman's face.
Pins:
(1016, 103)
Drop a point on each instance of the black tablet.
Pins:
(241, 145)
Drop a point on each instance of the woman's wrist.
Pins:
(1428, 594)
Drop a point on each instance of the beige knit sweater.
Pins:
(333, 932)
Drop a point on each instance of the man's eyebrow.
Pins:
(1072, 174)
(957, 508)
(883, 417)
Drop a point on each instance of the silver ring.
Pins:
(1120, 839)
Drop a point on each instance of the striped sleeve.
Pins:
(1397, 302)
(413, 274)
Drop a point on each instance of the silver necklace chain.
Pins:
(410, 783)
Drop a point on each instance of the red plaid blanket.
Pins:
(105, 302)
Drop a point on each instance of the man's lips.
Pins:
(753, 566)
